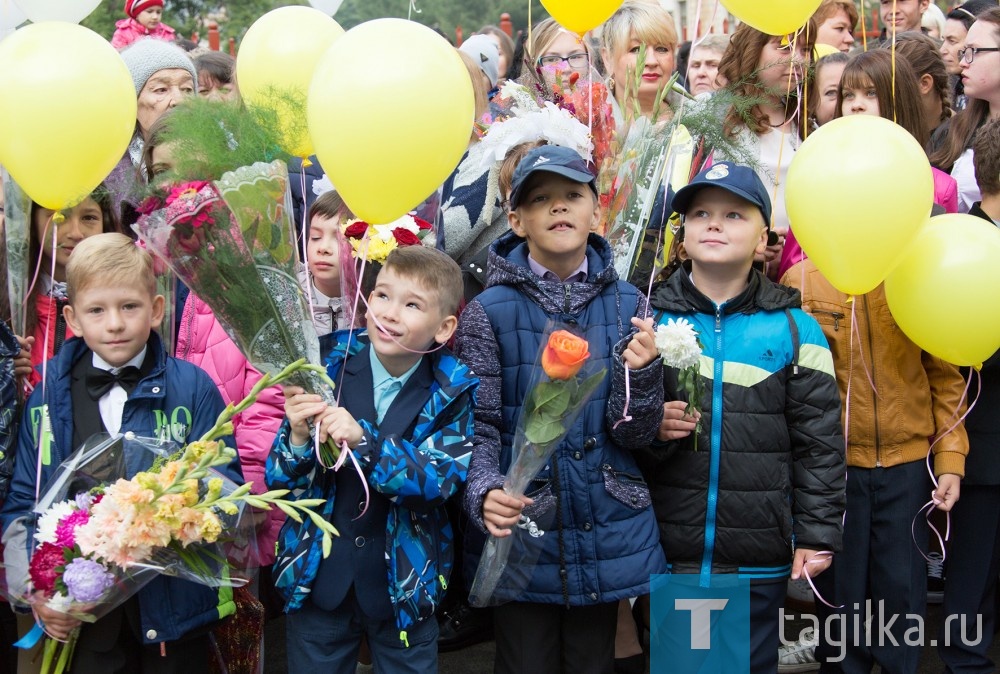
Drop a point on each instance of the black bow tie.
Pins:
(101, 381)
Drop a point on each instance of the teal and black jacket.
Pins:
(768, 472)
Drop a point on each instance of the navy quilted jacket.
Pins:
(600, 542)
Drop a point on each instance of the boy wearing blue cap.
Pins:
(759, 491)
(595, 541)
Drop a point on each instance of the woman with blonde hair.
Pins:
(634, 24)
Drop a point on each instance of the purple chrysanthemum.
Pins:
(86, 580)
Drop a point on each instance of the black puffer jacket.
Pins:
(770, 455)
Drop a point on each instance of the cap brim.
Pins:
(682, 200)
(584, 177)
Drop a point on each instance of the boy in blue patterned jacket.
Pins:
(406, 413)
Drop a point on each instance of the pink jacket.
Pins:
(945, 196)
(47, 310)
(129, 30)
(202, 340)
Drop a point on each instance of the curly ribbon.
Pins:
(626, 417)
(817, 559)
(931, 505)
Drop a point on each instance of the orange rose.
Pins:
(564, 355)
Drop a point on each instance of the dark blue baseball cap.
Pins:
(551, 159)
(740, 180)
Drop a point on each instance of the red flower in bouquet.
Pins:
(150, 204)
(47, 558)
(356, 230)
(190, 203)
(405, 237)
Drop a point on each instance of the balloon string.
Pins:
(892, 52)
(864, 28)
(817, 559)
(931, 505)
(45, 343)
(412, 9)
(628, 401)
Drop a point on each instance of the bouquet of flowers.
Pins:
(119, 511)
(373, 243)
(680, 348)
(558, 392)
(231, 241)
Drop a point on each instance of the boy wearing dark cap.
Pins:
(759, 491)
(597, 542)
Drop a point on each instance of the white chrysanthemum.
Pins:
(677, 342)
(45, 531)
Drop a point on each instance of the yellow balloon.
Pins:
(67, 111)
(391, 111)
(276, 63)
(580, 16)
(775, 17)
(857, 192)
(943, 292)
(820, 50)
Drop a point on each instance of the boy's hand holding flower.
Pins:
(678, 344)
(501, 511)
(57, 624)
(301, 408)
(676, 422)
(338, 425)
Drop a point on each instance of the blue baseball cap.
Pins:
(551, 159)
(739, 180)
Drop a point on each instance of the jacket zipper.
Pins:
(716, 454)
(871, 360)
(837, 317)
(566, 295)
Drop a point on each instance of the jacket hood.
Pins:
(679, 294)
(508, 265)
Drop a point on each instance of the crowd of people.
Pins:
(820, 430)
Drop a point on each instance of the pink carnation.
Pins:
(66, 530)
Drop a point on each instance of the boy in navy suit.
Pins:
(406, 414)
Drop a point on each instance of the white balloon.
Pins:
(11, 17)
(328, 7)
(73, 11)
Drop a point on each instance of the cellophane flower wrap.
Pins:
(563, 381)
(121, 510)
(17, 220)
(231, 241)
(679, 347)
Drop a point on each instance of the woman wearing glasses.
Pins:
(979, 61)
(549, 51)
(634, 24)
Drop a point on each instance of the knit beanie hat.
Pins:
(135, 7)
(148, 56)
(484, 51)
